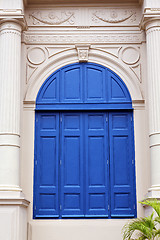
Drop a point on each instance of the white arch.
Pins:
(69, 56)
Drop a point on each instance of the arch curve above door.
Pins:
(83, 84)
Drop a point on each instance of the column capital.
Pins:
(150, 14)
(12, 11)
(10, 25)
(13, 21)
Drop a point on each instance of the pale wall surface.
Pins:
(114, 39)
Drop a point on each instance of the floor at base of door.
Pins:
(76, 229)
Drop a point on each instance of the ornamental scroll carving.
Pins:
(113, 16)
(83, 16)
(52, 17)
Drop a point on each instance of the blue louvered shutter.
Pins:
(72, 165)
(96, 170)
(121, 164)
(46, 166)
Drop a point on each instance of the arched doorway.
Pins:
(84, 145)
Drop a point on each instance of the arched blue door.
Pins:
(84, 147)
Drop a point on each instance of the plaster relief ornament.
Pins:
(130, 55)
(113, 16)
(82, 51)
(36, 55)
(52, 17)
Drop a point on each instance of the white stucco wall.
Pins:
(115, 42)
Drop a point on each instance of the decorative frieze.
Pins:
(52, 17)
(83, 37)
(84, 16)
(113, 16)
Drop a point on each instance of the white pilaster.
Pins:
(13, 205)
(10, 57)
(151, 23)
(153, 66)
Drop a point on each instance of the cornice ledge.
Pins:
(15, 201)
(11, 196)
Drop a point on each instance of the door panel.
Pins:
(46, 168)
(121, 164)
(96, 150)
(72, 165)
(71, 84)
(95, 84)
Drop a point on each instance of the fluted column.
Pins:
(153, 66)
(10, 62)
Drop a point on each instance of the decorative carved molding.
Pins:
(82, 51)
(155, 29)
(10, 28)
(152, 10)
(80, 38)
(10, 32)
(69, 56)
(52, 17)
(130, 55)
(36, 55)
(150, 16)
(114, 16)
(83, 16)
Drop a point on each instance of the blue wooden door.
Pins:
(85, 164)
(84, 147)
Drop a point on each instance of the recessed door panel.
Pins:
(72, 164)
(96, 151)
(46, 168)
(71, 89)
(121, 165)
(95, 84)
